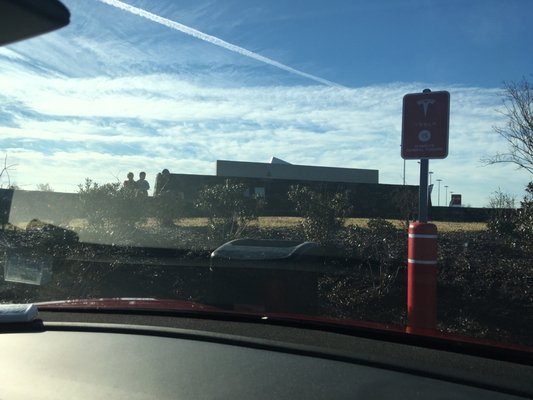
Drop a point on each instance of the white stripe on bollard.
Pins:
(422, 262)
(422, 236)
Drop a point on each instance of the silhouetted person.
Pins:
(129, 184)
(162, 182)
(142, 184)
(166, 199)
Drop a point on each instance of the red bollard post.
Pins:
(422, 277)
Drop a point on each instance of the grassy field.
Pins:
(292, 222)
(289, 222)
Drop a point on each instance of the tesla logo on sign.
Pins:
(425, 125)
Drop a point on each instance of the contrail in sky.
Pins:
(214, 40)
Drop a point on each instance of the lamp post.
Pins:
(403, 169)
(446, 198)
(430, 173)
(439, 180)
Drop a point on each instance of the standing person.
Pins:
(129, 184)
(161, 182)
(165, 201)
(142, 184)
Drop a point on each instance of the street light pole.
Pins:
(404, 171)
(423, 191)
(439, 180)
(446, 198)
(430, 174)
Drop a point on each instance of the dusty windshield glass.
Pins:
(246, 155)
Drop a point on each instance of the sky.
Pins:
(143, 85)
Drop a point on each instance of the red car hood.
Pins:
(126, 303)
(150, 304)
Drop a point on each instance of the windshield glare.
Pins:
(247, 156)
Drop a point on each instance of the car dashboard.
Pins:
(118, 354)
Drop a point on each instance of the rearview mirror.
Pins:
(22, 19)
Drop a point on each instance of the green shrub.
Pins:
(476, 271)
(167, 207)
(380, 241)
(525, 218)
(503, 218)
(503, 225)
(510, 226)
(229, 210)
(382, 249)
(109, 206)
(406, 202)
(323, 213)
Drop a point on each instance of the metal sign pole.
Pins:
(423, 191)
(425, 129)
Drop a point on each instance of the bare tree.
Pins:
(44, 187)
(5, 173)
(518, 131)
(500, 199)
(406, 202)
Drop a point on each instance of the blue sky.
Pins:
(115, 92)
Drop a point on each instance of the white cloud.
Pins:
(13, 55)
(67, 129)
(213, 40)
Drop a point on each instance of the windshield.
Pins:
(247, 156)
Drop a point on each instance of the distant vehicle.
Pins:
(456, 200)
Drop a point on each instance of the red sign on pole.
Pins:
(425, 125)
